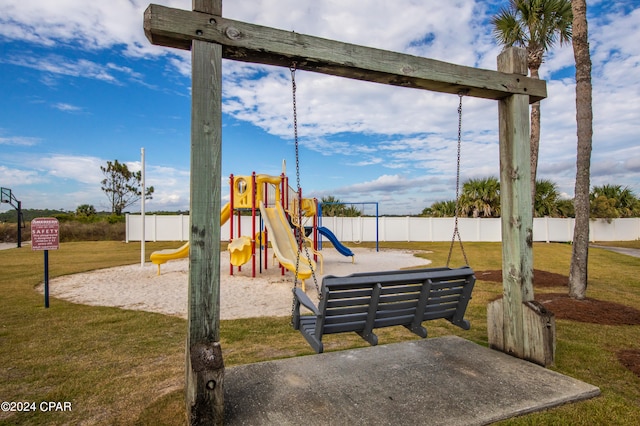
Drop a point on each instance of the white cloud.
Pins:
(92, 25)
(396, 194)
(58, 65)
(19, 141)
(11, 177)
(66, 181)
(409, 133)
(81, 169)
(633, 164)
(67, 107)
(171, 188)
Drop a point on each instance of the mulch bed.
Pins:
(630, 358)
(588, 310)
(540, 278)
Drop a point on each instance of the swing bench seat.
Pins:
(363, 302)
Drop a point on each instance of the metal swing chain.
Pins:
(456, 231)
(295, 139)
(300, 237)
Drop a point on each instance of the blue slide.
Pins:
(345, 251)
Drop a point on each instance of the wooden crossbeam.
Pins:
(258, 44)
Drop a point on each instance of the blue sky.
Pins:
(81, 85)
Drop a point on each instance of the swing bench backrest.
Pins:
(365, 301)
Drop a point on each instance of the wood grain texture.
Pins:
(516, 211)
(204, 363)
(257, 44)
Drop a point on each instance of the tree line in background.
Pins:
(121, 186)
(332, 206)
(481, 198)
(478, 198)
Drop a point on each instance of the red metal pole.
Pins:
(286, 188)
(239, 231)
(282, 193)
(265, 240)
(284, 200)
(315, 230)
(231, 202)
(299, 213)
(253, 224)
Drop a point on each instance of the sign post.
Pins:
(45, 235)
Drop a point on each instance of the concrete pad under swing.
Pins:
(440, 381)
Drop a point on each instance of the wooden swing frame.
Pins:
(210, 37)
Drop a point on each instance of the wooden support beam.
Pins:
(539, 327)
(204, 362)
(512, 323)
(516, 215)
(516, 210)
(257, 44)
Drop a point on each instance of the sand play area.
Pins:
(241, 296)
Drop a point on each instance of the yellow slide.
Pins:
(283, 242)
(162, 256)
(240, 250)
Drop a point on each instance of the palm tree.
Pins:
(566, 209)
(584, 120)
(441, 209)
(332, 206)
(629, 204)
(351, 211)
(547, 198)
(535, 25)
(481, 197)
(602, 207)
(621, 202)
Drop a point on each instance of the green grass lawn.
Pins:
(127, 367)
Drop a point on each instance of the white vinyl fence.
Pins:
(347, 229)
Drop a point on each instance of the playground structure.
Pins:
(163, 256)
(276, 203)
(273, 208)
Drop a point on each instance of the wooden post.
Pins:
(516, 210)
(513, 324)
(204, 363)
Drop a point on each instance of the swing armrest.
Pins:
(304, 300)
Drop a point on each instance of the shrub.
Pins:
(70, 230)
(99, 231)
(9, 233)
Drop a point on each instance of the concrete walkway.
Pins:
(7, 246)
(622, 250)
(440, 381)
